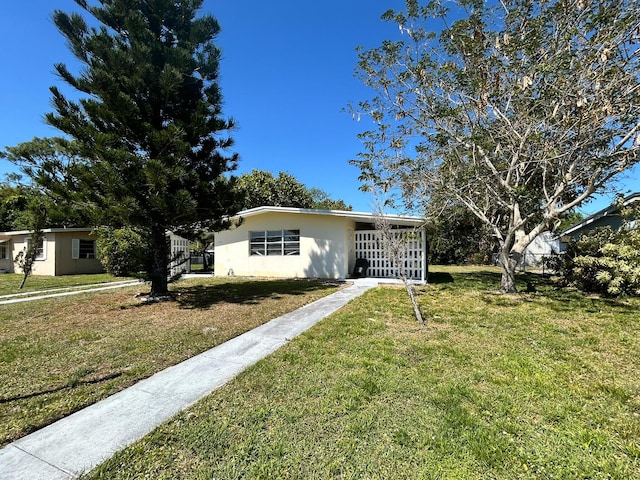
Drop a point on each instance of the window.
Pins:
(275, 242)
(81, 248)
(3, 251)
(42, 248)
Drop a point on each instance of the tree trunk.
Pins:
(509, 262)
(414, 302)
(160, 270)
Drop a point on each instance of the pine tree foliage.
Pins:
(519, 110)
(150, 142)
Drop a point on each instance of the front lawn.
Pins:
(9, 282)
(532, 386)
(61, 354)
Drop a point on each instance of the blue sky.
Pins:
(286, 76)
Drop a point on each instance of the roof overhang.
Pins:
(364, 217)
(611, 209)
(45, 230)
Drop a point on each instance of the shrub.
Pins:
(605, 261)
(122, 251)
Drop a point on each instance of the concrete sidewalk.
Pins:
(85, 439)
(57, 292)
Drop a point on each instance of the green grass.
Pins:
(9, 282)
(523, 386)
(61, 354)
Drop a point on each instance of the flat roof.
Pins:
(365, 217)
(46, 230)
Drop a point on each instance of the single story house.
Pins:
(610, 216)
(306, 243)
(72, 251)
(544, 245)
(64, 251)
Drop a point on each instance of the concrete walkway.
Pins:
(83, 440)
(76, 290)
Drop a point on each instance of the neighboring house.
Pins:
(64, 251)
(607, 217)
(306, 243)
(544, 245)
(71, 251)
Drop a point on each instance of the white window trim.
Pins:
(43, 256)
(282, 243)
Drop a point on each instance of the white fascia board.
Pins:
(358, 216)
(46, 230)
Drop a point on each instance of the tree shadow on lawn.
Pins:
(73, 383)
(465, 280)
(249, 292)
(565, 299)
(439, 277)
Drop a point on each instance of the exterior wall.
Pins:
(324, 247)
(543, 245)
(40, 267)
(57, 255)
(613, 220)
(6, 264)
(65, 264)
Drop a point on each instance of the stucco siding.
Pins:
(6, 264)
(66, 264)
(44, 266)
(57, 258)
(324, 251)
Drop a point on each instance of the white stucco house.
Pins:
(305, 243)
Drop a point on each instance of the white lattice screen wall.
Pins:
(180, 250)
(369, 245)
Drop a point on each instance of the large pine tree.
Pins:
(151, 141)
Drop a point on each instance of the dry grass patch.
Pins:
(10, 282)
(62, 354)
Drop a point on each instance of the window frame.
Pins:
(77, 252)
(42, 250)
(274, 243)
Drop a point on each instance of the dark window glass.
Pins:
(87, 248)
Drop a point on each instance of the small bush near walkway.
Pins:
(496, 386)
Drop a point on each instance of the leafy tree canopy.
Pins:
(145, 146)
(260, 188)
(322, 201)
(519, 110)
(457, 237)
